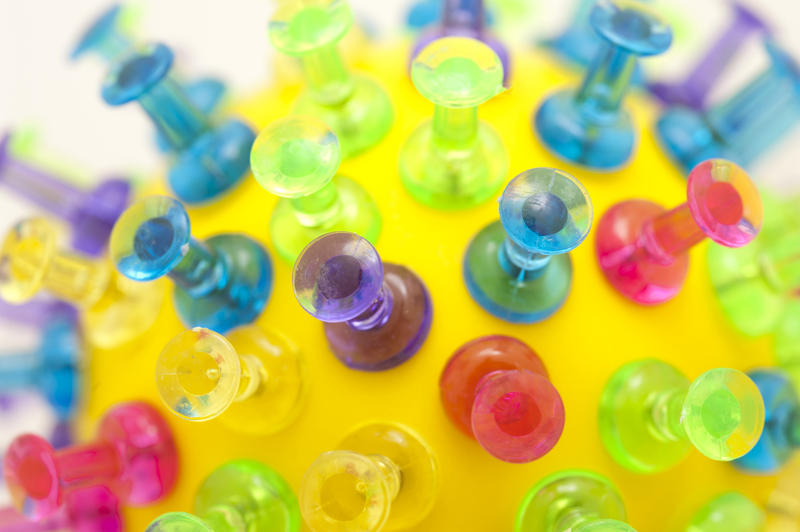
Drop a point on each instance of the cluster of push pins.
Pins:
(376, 315)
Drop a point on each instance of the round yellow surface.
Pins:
(591, 336)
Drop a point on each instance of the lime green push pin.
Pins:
(297, 158)
(356, 108)
(455, 161)
(729, 512)
(239, 496)
(650, 414)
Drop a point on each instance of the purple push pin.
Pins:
(37, 313)
(91, 214)
(464, 18)
(376, 315)
(693, 91)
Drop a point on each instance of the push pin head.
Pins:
(650, 414)
(518, 268)
(641, 247)
(728, 512)
(104, 36)
(496, 389)
(299, 28)
(631, 26)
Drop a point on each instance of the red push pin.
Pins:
(496, 389)
(134, 455)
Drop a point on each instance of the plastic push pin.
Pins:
(464, 18)
(377, 315)
(37, 313)
(383, 477)
(296, 159)
(113, 309)
(239, 496)
(88, 509)
(134, 455)
(220, 283)
(579, 42)
(496, 389)
(424, 13)
(518, 268)
(455, 161)
(209, 159)
(254, 379)
(643, 249)
(729, 512)
(787, 341)
(742, 127)
(589, 125)
(572, 500)
(356, 108)
(693, 91)
(91, 214)
(650, 414)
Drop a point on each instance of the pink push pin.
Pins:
(89, 509)
(642, 247)
(134, 455)
(496, 389)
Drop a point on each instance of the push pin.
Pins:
(787, 341)
(253, 378)
(744, 126)
(382, 477)
(693, 91)
(573, 500)
(455, 161)
(650, 415)
(239, 496)
(377, 315)
(643, 248)
(38, 313)
(209, 159)
(356, 108)
(134, 455)
(296, 159)
(729, 512)
(496, 389)
(113, 309)
(424, 13)
(91, 214)
(87, 509)
(589, 125)
(220, 283)
(577, 44)
(518, 268)
(465, 18)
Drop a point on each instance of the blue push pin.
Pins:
(518, 268)
(741, 128)
(577, 44)
(589, 125)
(210, 159)
(781, 434)
(424, 13)
(220, 283)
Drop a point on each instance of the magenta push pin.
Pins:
(377, 315)
(89, 509)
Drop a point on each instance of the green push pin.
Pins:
(296, 158)
(573, 500)
(650, 414)
(356, 108)
(239, 496)
(455, 161)
(729, 512)
(787, 341)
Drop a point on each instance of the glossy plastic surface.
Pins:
(729, 512)
(87, 509)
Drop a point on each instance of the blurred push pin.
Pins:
(209, 159)
(572, 500)
(742, 127)
(651, 414)
(220, 283)
(455, 161)
(356, 108)
(729, 512)
(113, 309)
(134, 455)
(383, 477)
(239, 496)
(91, 214)
(643, 248)
(297, 158)
(253, 380)
(377, 315)
(518, 268)
(589, 126)
(87, 509)
(496, 389)
(423, 13)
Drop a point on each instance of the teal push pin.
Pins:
(455, 161)
(297, 158)
(356, 108)
(729, 512)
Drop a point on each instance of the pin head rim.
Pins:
(136, 74)
(632, 26)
